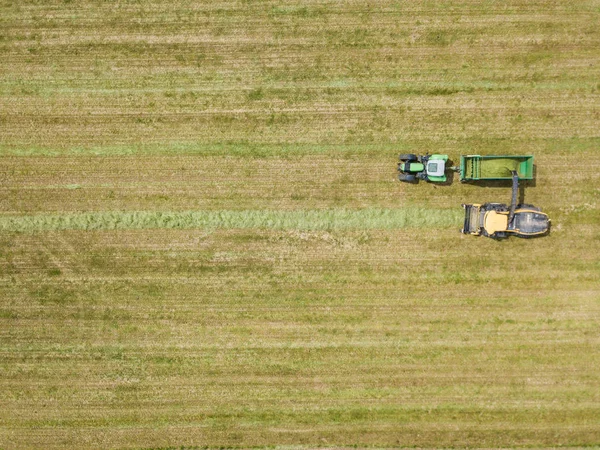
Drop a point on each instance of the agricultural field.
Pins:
(203, 242)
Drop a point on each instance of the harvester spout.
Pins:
(515, 192)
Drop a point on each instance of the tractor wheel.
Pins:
(407, 177)
(408, 157)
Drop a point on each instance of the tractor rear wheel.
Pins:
(406, 177)
(408, 157)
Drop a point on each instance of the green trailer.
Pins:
(492, 167)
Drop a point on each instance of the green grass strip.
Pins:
(332, 219)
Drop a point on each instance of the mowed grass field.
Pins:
(202, 241)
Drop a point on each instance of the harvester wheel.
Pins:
(408, 157)
(497, 207)
(527, 206)
(406, 177)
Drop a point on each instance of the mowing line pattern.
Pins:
(203, 243)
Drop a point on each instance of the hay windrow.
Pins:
(333, 219)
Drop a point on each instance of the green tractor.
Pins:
(413, 168)
(498, 221)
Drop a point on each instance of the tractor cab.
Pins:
(436, 168)
(529, 221)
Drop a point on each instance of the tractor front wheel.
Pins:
(408, 157)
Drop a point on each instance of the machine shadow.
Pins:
(450, 174)
(523, 184)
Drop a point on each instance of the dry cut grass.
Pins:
(227, 337)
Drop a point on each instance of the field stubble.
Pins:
(162, 283)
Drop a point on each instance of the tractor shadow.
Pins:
(450, 175)
(523, 185)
